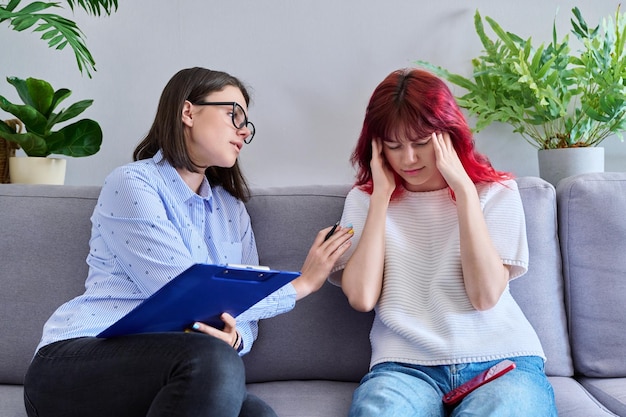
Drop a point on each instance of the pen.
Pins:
(330, 233)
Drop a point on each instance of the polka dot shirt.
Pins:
(148, 226)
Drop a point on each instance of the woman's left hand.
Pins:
(228, 334)
(448, 161)
(484, 275)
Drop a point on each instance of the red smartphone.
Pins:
(456, 395)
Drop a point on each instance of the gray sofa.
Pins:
(308, 362)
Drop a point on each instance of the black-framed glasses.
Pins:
(238, 116)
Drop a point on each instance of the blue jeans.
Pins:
(153, 375)
(394, 389)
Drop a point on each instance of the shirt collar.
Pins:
(175, 181)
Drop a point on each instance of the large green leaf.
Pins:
(22, 89)
(34, 92)
(33, 120)
(69, 113)
(59, 95)
(31, 143)
(82, 138)
(41, 94)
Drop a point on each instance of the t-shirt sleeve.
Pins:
(504, 215)
(354, 213)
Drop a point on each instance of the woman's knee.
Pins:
(207, 377)
(389, 393)
(518, 393)
(205, 356)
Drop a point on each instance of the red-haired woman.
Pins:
(439, 233)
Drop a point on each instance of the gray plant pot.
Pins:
(556, 164)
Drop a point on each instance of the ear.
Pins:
(186, 116)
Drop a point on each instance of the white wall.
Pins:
(312, 65)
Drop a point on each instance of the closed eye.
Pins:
(421, 142)
(392, 146)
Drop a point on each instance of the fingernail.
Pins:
(349, 225)
(195, 326)
(351, 232)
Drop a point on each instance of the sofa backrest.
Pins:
(44, 243)
(285, 221)
(592, 227)
(540, 291)
(323, 337)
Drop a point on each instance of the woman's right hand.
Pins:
(382, 176)
(228, 334)
(321, 259)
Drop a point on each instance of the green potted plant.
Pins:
(38, 115)
(58, 32)
(554, 97)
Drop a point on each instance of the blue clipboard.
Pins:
(201, 293)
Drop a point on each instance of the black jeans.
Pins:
(153, 375)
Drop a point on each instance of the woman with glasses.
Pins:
(438, 235)
(180, 203)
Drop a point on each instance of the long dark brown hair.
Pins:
(167, 133)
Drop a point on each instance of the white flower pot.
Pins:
(36, 170)
(556, 164)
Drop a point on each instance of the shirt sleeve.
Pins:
(134, 231)
(504, 215)
(280, 301)
(354, 213)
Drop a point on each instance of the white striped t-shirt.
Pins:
(424, 315)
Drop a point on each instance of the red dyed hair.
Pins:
(412, 104)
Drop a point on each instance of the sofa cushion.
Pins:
(572, 400)
(12, 401)
(540, 291)
(333, 399)
(322, 326)
(306, 398)
(37, 273)
(594, 264)
(609, 391)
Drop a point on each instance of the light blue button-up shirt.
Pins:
(148, 226)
